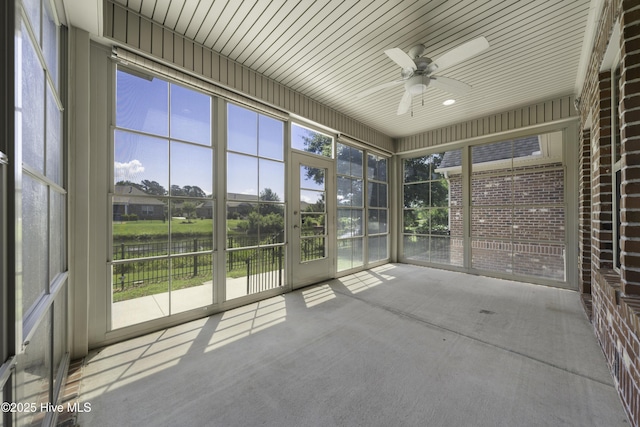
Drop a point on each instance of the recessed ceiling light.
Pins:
(449, 102)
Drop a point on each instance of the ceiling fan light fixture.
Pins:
(449, 102)
(416, 85)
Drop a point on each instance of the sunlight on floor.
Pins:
(359, 282)
(149, 355)
(163, 350)
(383, 269)
(364, 280)
(247, 320)
(317, 295)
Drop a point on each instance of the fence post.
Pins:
(195, 257)
(122, 250)
(279, 265)
(248, 273)
(230, 253)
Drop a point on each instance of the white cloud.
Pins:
(128, 170)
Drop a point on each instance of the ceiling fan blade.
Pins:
(405, 103)
(461, 53)
(450, 85)
(401, 58)
(375, 89)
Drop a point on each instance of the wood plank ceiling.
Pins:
(331, 50)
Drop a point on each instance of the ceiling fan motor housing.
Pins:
(417, 84)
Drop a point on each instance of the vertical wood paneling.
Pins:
(167, 45)
(567, 106)
(108, 19)
(145, 35)
(548, 111)
(188, 55)
(157, 40)
(178, 50)
(197, 59)
(133, 30)
(216, 67)
(224, 69)
(232, 73)
(206, 63)
(120, 24)
(540, 113)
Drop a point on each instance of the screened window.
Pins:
(517, 207)
(377, 208)
(255, 202)
(311, 141)
(41, 233)
(351, 222)
(163, 199)
(432, 208)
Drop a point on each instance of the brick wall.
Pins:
(615, 294)
(501, 232)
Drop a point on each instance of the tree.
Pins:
(431, 188)
(128, 183)
(193, 191)
(189, 208)
(268, 195)
(317, 143)
(425, 189)
(176, 190)
(153, 187)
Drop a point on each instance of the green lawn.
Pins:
(156, 288)
(156, 229)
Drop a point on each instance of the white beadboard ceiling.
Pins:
(331, 50)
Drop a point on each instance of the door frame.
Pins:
(300, 274)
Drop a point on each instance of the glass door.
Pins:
(313, 225)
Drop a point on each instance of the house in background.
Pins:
(540, 158)
(129, 200)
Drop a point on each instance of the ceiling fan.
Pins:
(418, 71)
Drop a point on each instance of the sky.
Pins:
(255, 158)
(143, 105)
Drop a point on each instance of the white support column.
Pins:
(78, 159)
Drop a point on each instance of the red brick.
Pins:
(630, 216)
(631, 260)
(631, 116)
(629, 102)
(630, 188)
(631, 30)
(630, 131)
(631, 59)
(631, 74)
(631, 88)
(631, 288)
(631, 158)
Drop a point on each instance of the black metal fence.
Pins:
(148, 249)
(263, 266)
(145, 272)
(312, 248)
(265, 269)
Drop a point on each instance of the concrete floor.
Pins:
(398, 345)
